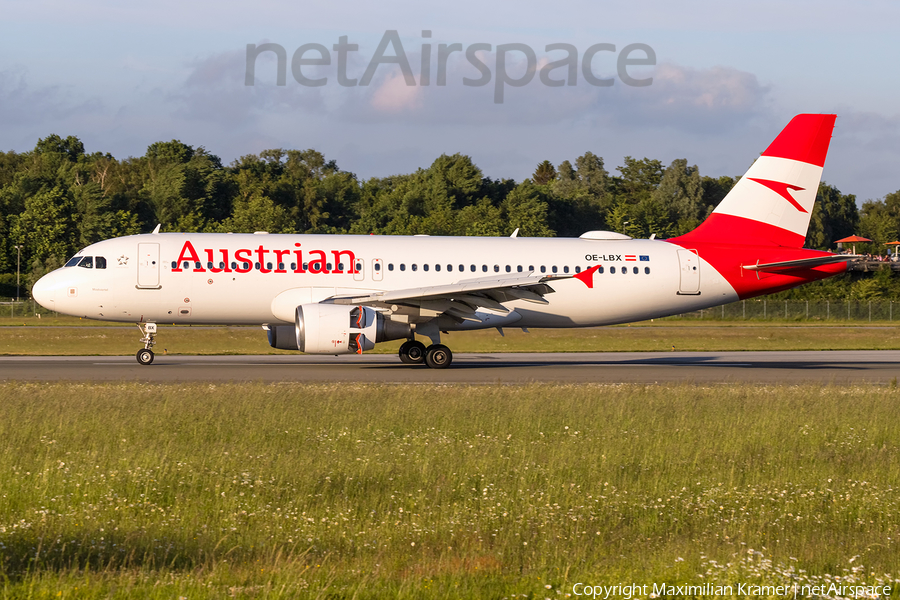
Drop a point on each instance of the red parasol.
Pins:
(853, 239)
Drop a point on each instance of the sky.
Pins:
(724, 80)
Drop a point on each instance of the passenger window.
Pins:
(578, 269)
(87, 262)
(508, 269)
(472, 268)
(531, 268)
(496, 268)
(186, 265)
(449, 267)
(377, 267)
(402, 266)
(306, 266)
(328, 266)
(554, 268)
(425, 267)
(174, 264)
(437, 267)
(543, 269)
(293, 266)
(624, 270)
(74, 261)
(647, 270)
(414, 266)
(256, 266)
(100, 262)
(269, 266)
(209, 265)
(565, 269)
(233, 265)
(635, 270)
(247, 266)
(390, 266)
(198, 266)
(340, 267)
(519, 268)
(281, 266)
(600, 270)
(612, 269)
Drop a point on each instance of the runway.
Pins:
(607, 367)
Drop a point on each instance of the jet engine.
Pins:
(336, 329)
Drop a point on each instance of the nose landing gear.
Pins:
(148, 332)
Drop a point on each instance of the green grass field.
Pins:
(657, 336)
(406, 491)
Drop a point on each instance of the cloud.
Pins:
(698, 100)
(394, 96)
(29, 112)
(215, 91)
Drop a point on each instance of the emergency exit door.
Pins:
(689, 263)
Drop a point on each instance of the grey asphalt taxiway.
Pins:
(604, 367)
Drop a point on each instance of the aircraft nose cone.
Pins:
(44, 292)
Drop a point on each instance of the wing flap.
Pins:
(463, 297)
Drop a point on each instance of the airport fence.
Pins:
(766, 309)
(11, 308)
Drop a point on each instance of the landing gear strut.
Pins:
(148, 332)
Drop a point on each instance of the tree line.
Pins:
(57, 199)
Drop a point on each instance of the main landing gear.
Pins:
(148, 332)
(436, 356)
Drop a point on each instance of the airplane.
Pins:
(343, 294)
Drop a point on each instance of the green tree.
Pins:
(259, 213)
(879, 220)
(676, 205)
(46, 228)
(526, 210)
(835, 216)
(639, 178)
(544, 173)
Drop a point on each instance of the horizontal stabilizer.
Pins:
(802, 263)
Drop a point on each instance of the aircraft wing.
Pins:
(460, 299)
(802, 263)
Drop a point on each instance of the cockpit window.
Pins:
(99, 262)
(73, 261)
(87, 262)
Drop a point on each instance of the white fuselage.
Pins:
(144, 280)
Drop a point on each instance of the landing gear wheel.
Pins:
(412, 352)
(438, 356)
(144, 356)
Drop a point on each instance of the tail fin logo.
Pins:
(781, 189)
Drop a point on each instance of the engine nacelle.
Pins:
(283, 337)
(341, 329)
